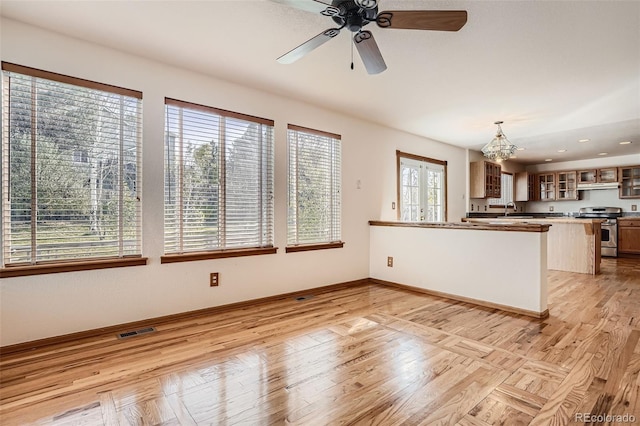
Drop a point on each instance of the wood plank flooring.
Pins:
(367, 355)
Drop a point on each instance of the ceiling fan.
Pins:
(356, 14)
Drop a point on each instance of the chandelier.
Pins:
(499, 148)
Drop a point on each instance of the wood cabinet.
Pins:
(526, 187)
(608, 175)
(485, 179)
(523, 186)
(587, 176)
(546, 186)
(629, 236)
(629, 178)
(566, 186)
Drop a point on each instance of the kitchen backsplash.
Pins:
(593, 198)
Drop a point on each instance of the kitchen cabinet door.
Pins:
(629, 178)
(629, 239)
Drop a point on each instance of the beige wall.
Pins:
(48, 305)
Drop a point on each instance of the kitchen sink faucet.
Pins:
(506, 207)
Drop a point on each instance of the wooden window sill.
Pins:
(218, 254)
(309, 247)
(82, 265)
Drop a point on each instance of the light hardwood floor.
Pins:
(362, 355)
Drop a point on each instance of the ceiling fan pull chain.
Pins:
(351, 43)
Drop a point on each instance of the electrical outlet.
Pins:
(471, 206)
(214, 279)
(390, 262)
(485, 208)
(550, 208)
(634, 207)
(393, 205)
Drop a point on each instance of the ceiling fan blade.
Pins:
(306, 47)
(437, 20)
(369, 52)
(316, 6)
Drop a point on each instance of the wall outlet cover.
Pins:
(634, 207)
(214, 279)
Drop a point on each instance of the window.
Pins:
(506, 194)
(71, 168)
(421, 188)
(314, 188)
(218, 180)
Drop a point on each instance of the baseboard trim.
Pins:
(151, 322)
(538, 315)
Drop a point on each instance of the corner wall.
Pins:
(43, 306)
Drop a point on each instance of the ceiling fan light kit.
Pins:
(354, 15)
(499, 149)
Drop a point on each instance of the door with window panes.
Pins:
(421, 191)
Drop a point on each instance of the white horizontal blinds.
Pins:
(314, 187)
(506, 191)
(218, 179)
(71, 168)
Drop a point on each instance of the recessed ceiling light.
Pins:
(584, 140)
(548, 159)
(562, 150)
(521, 149)
(625, 142)
(603, 153)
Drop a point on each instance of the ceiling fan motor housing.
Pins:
(352, 16)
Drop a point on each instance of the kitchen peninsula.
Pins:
(573, 244)
(493, 265)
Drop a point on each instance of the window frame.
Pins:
(399, 156)
(502, 201)
(336, 170)
(36, 267)
(222, 252)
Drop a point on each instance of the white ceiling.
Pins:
(553, 71)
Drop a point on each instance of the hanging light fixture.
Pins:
(499, 148)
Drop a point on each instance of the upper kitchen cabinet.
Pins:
(526, 188)
(546, 185)
(608, 175)
(587, 176)
(485, 179)
(629, 178)
(566, 186)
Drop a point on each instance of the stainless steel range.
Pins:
(609, 242)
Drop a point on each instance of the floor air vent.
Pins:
(302, 298)
(128, 334)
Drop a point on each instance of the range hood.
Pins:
(597, 185)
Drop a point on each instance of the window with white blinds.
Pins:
(506, 191)
(314, 187)
(71, 168)
(218, 179)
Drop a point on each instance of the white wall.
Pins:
(462, 262)
(48, 305)
(603, 197)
